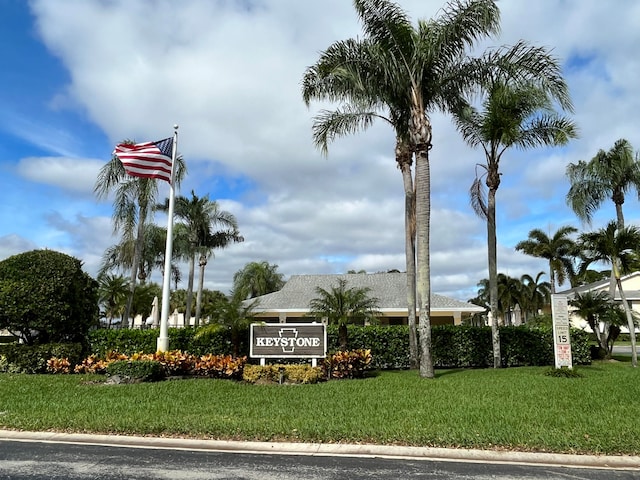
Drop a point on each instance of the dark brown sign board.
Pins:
(288, 340)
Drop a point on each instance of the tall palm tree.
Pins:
(609, 174)
(559, 250)
(201, 216)
(256, 279)
(220, 239)
(616, 246)
(133, 202)
(341, 305)
(342, 72)
(424, 67)
(515, 114)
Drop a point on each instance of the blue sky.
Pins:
(80, 76)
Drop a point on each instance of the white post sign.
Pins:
(561, 340)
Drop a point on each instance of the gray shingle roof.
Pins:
(604, 285)
(389, 288)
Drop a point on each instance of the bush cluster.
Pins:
(283, 373)
(17, 358)
(142, 370)
(172, 363)
(349, 364)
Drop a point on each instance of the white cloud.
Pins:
(71, 174)
(229, 74)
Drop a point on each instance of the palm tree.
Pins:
(341, 305)
(534, 295)
(134, 198)
(559, 250)
(121, 255)
(616, 246)
(343, 73)
(200, 216)
(256, 279)
(594, 307)
(509, 295)
(234, 314)
(220, 239)
(515, 114)
(424, 68)
(607, 175)
(113, 291)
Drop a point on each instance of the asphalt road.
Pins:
(35, 460)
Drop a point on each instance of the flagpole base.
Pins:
(163, 344)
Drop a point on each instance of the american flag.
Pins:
(147, 160)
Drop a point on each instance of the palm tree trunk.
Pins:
(630, 324)
(202, 264)
(423, 269)
(137, 258)
(343, 336)
(620, 219)
(493, 275)
(192, 267)
(404, 159)
(421, 134)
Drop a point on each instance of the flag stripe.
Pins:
(147, 160)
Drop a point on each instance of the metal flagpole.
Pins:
(163, 339)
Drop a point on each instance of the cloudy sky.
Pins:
(80, 76)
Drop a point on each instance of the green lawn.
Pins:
(517, 408)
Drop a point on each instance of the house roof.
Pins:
(631, 294)
(389, 288)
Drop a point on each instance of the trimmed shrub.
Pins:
(58, 365)
(389, 345)
(33, 358)
(220, 366)
(143, 370)
(288, 373)
(350, 364)
(46, 297)
(195, 341)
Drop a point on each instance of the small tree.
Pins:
(233, 313)
(46, 297)
(341, 305)
(602, 315)
(617, 246)
(256, 279)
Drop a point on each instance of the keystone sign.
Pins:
(288, 340)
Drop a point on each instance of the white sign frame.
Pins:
(561, 326)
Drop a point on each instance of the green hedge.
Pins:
(456, 346)
(128, 341)
(18, 358)
(453, 346)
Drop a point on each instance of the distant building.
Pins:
(291, 303)
(630, 285)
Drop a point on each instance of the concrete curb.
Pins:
(322, 449)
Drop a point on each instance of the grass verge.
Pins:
(518, 408)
